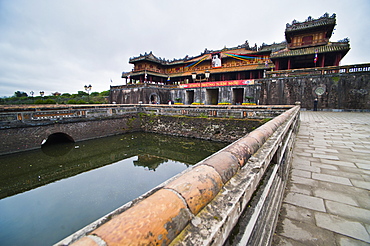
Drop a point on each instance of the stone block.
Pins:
(342, 226)
(361, 184)
(334, 196)
(331, 178)
(348, 211)
(305, 233)
(301, 173)
(305, 201)
(298, 213)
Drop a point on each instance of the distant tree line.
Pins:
(21, 97)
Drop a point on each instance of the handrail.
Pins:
(356, 68)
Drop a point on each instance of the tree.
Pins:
(20, 94)
(104, 93)
(82, 93)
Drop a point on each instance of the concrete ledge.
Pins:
(201, 205)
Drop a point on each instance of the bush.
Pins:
(47, 101)
(72, 101)
(81, 101)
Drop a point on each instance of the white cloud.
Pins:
(63, 45)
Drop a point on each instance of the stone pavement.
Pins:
(327, 199)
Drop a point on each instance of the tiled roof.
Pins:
(325, 20)
(331, 47)
(240, 49)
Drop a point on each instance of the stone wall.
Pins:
(215, 129)
(145, 93)
(346, 91)
(26, 137)
(337, 91)
(23, 128)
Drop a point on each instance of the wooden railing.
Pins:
(357, 68)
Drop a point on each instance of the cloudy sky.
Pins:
(62, 45)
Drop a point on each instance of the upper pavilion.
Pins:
(308, 45)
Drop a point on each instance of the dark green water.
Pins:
(48, 194)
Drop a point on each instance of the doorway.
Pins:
(212, 96)
(237, 98)
(154, 99)
(189, 97)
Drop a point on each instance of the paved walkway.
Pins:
(327, 200)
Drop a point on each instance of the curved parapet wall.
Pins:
(201, 205)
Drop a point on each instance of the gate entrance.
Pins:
(237, 98)
(154, 99)
(212, 96)
(189, 97)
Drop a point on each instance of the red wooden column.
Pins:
(289, 63)
(337, 59)
(276, 65)
(322, 61)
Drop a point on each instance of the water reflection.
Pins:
(31, 169)
(59, 149)
(67, 192)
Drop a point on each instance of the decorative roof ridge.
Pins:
(152, 57)
(311, 22)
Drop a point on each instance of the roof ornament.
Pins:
(247, 44)
(345, 40)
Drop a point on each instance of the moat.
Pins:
(49, 193)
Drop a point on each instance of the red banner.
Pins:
(219, 83)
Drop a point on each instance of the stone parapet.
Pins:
(27, 127)
(201, 205)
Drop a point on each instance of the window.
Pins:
(306, 40)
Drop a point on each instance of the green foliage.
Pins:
(82, 93)
(20, 94)
(335, 79)
(72, 101)
(81, 101)
(45, 101)
(104, 93)
(21, 98)
(266, 120)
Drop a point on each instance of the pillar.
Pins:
(323, 61)
(276, 65)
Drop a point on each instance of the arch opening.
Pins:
(57, 144)
(58, 138)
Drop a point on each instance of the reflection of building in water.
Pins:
(150, 161)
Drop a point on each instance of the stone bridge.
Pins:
(28, 127)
